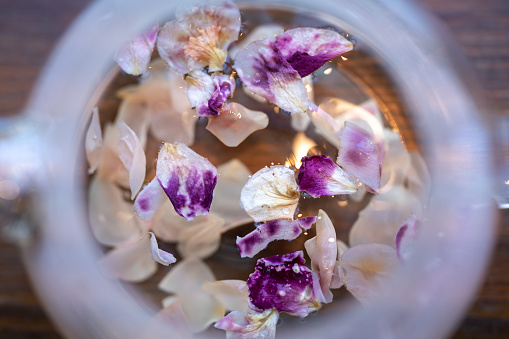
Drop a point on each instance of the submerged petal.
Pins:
(283, 282)
(133, 157)
(162, 257)
(185, 280)
(236, 123)
(359, 156)
(231, 177)
(367, 268)
(257, 240)
(134, 56)
(406, 237)
(111, 217)
(187, 178)
(307, 49)
(232, 294)
(270, 194)
(251, 325)
(201, 239)
(265, 72)
(173, 314)
(94, 142)
(149, 200)
(111, 167)
(319, 176)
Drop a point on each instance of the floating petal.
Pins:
(367, 269)
(111, 167)
(133, 157)
(112, 219)
(162, 257)
(94, 142)
(132, 262)
(270, 194)
(231, 177)
(307, 49)
(187, 178)
(236, 123)
(134, 56)
(232, 294)
(265, 72)
(283, 282)
(325, 124)
(133, 112)
(407, 236)
(185, 280)
(257, 240)
(381, 219)
(209, 93)
(300, 121)
(319, 176)
(202, 239)
(239, 325)
(149, 200)
(358, 155)
(262, 32)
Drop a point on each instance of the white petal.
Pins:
(202, 239)
(94, 142)
(185, 280)
(236, 123)
(162, 257)
(133, 111)
(262, 32)
(111, 166)
(300, 121)
(200, 88)
(396, 161)
(112, 219)
(134, 56)
(149, 200)
(133, 157)
(251, 325)
(232, 294)
(325, 124)
(231, 177)
(270, 194)
(131, 262)
(381, 219)
(367, 268)
(167, 224)
(187, 178)
(173, 314)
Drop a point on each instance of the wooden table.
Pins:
(30, 28)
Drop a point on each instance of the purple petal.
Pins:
(265, 72)
(257, 240)
(149, 200)
(239, 325)
(134, 56)
(283, 282)
(406, 237)
(307, 49)
(319, 176)
(358, 155)
(187, 178)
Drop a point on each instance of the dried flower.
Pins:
(250, 325)
(134, 56)
(199, 36)
(257, 240)
(319, 176)
(283, 282)
(270, 194)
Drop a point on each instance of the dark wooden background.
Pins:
(30, 28)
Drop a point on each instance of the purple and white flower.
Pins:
(208, 94)
(199, 36)
(319, 176)
(250, 325)
(284, 283)
(257, 240)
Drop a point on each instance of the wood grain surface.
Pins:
(29, 30)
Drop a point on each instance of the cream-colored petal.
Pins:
(133, 157)
(231, 177)
(325, 125)
(134, 56)
(111, 217)
(111, 167)
(167, 224)
(381, 219)
(200, 88)
(367, 269)
(160, 256)
(201, 240)
(271, 194)
(185, 280)
(262, 32)
(94, 142)
(232, 294)
(131, 262)
(173, 314)
(235, 123)
(133, 111)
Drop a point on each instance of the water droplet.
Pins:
(286, 210)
